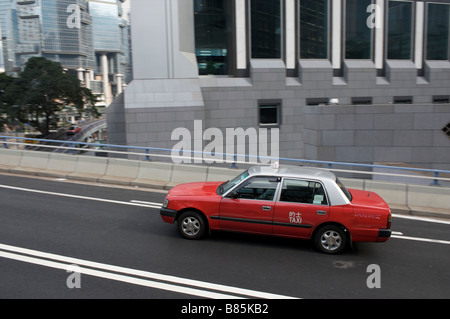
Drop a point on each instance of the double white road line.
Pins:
(133, 276)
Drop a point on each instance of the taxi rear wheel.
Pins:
(330, 239)
(191, 225)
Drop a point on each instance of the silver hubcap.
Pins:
(191, 226)
(331, 240)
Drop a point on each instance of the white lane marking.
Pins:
(423, 219)
(146, 203)
(397, 233)
(428, 240)
(116, 277)
(157, 205)
(133, 272)
(80, 197)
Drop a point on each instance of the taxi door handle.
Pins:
(266, 208)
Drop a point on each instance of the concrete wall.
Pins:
(165, 52)
(402, 198)
(379, 132)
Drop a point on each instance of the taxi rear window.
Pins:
(344, 189)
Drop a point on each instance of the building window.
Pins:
(266, 29)
(358, 36)
(317, 101)
(438, 31)
(314, 29)
(441, 99)
(269, 113)
(212, 36)
(403, 99)
(361, 100)
(400, 30)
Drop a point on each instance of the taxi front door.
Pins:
(250, 207)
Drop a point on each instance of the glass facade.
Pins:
(212, 29)
(110, 38)
(400, 30)
(438, 31)
(72, 47)
(40, 28)
(316, 23)
(266, 29)
(5, 6)
(314, 29)
(2, 63)
(358, 36)
(105, 17)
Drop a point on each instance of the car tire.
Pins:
(192, 225)
(330, 239)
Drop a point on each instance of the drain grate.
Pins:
(446, 130)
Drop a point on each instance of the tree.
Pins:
(42, 90)
(6, 100)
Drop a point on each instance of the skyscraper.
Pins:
(2, 63)
(43, 28)
(4, 10)
(110, 43)
(90, 38)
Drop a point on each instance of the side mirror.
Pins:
(233, 195)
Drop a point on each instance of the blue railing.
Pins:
(149, 153)
(79, 136)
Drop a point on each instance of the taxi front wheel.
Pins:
(191, 225)
(330, 239)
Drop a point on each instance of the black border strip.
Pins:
(257, 221)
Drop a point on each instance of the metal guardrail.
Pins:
(87, 130)
(149, 153)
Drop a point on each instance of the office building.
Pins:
(344, 80)
(2, 63)
(89, 39)
(52, 30)
(5, 6)
(4, 12)
(111, 46)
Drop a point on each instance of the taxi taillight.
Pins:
(389, 222)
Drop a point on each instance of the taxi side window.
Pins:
(260, 188)
(300, 191)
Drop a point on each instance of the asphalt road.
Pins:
(122, 249)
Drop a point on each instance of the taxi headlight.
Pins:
(165, 203)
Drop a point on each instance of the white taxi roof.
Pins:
(335, 194)
(293, 171)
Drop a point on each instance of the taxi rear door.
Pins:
(302, 204)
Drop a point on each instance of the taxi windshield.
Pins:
(225, 187)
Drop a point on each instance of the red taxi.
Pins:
(73, 130)
(288, 201)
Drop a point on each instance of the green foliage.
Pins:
(41, 91)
